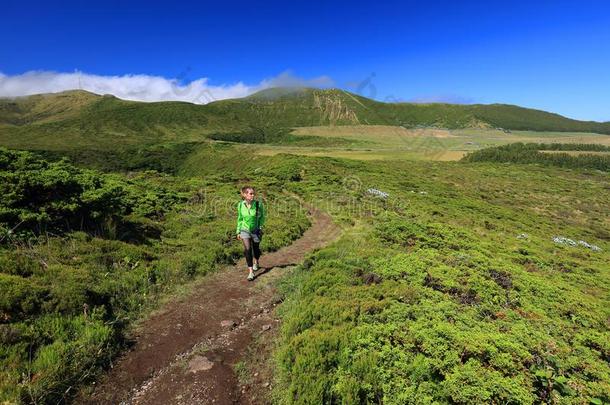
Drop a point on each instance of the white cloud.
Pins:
(144, 87)
(288, 79)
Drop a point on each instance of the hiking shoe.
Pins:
(251, 276)
(255, 267)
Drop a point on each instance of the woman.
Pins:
(250, 221)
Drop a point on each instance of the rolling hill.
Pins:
(78, 118)
(451, 282)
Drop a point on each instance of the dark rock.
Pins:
(371, 278)
(9, 334)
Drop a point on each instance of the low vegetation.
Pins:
(279, 136)
(165, 157)
(453, 282)
(531, 153)
(82, 254)
(451, 289)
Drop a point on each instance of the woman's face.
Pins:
(249, 195)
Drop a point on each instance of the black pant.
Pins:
(251, 248)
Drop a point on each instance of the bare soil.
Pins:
(189, 351)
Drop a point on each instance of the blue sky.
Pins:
(551, 55)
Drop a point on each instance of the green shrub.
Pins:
(20, 297)
(529, 153)
(40, 196)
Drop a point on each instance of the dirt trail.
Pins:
(186, 353)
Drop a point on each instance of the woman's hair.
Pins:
(246, 188)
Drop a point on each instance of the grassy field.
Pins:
(379, 142)
(471, 282)
(450, 290)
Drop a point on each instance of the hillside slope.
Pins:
(305, 106)
(63, 120)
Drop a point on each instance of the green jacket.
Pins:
(246, 217)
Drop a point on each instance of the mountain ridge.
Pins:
(273, 93)
(80, 117)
